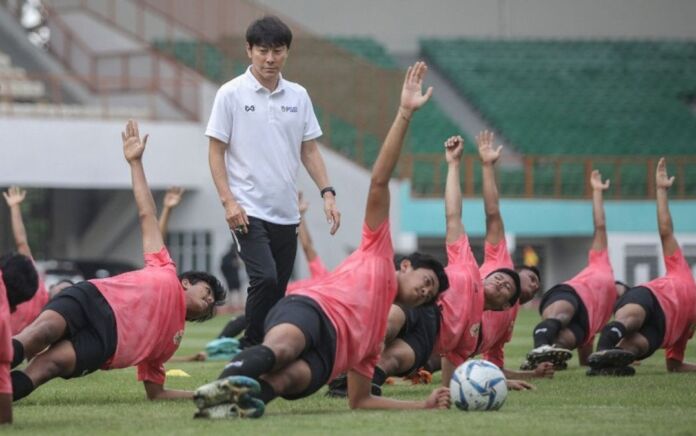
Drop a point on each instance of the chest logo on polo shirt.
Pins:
(288, 109)
(177, 337)
(474, 329)
(250, 108)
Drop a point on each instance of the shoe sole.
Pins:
(227, 390)
(611, 359)
(622, 371)
(252, 408)
(557, 356)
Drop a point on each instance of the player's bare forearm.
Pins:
(524, 375)
(491, 203)
(584, 352)
(18, 231)
(218, 170)
(360, 397)
(314, 163)
(5, 408)
(447, 370)
(453, 203)
(306, 241)
(164, 220)
(664, 218)
(156, 391)
(151, 234)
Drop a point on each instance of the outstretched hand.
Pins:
(173, 196)
(519, 385)
(412, 97)
(454, 146)
(15, 195)
(596, 181)
(487, 153)
(544, 369)
(133, 147)
(662, 179)
(439, 399)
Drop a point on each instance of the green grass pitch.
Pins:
(112, 402)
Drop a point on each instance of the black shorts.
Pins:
(580, 322)
(653, 327)
(320, 337)
(420, 332)
(91, 326)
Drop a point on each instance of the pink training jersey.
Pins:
(316, 270)
(676, 293)
(496, 326)
(596, 288)
(150, 311)
(461, 307)
(6, 352)
(27, 312)
(356, 297)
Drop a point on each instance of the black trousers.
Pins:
(268, 252)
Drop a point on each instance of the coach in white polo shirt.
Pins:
(261, 127)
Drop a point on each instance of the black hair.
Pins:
(422, 260)
(219, 291)
(269, 31)
(531, 268)
(515, 278)
(20, 278)
(625, 285)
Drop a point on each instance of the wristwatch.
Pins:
(327, 189)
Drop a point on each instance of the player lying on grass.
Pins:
(132, 319)
(657, 314)
(574, 311)
(337, 323)
(413, 333)
(18, 284)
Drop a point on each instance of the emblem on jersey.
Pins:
(288, 108)
(474, 329)
(249, 108)
(177, 337)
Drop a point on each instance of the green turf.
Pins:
(652, 402)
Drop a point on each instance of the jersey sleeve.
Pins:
(676, 265)
(459, 253)
(312, 130)
(161, 259)
(377, 242)
(366, 367)
(676, 351)
(497, 253)
(152, 372)
(599, 259)
(221, 117)
(317, 268)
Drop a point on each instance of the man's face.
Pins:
(267, 62)
(530, 285)
(199, 299)
(498, 288)
(416, 286)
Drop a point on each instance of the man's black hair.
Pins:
(531, 268)
(20, 277)
(219, 291)
(422, 260)
(515, 278)
(269, 31)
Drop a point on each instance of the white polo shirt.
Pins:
(264, 132)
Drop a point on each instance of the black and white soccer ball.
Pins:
(478, 385)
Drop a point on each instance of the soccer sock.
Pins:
(21, 385)
(234, 327)
(611, 334)
(18, 356)
(267, 392)
(379, 376)
(546, 331)
(252, 362)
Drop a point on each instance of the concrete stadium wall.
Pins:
(400, 23)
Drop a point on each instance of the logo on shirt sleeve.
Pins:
(474, 329)
(177, 337)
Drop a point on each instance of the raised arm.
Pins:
(453, 191)
(303, 232)
(489, 156)
(412, 99)
(133, 148)
(664, 219)
(313, 162)
(171, 200)
(235, 215)
(14, 198)
(599, 241)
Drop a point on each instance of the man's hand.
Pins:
(439, 399)
(133, 147)
(453, 149)
(14, 196)
(519, 385)
(544, 369)
(236, 217)
(596, 181)
(488, 154)
(412, 97)
(173, 197)
(333, 216)
(662, 180)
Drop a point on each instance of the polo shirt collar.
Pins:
(254, 84)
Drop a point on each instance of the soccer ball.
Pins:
(478, 385)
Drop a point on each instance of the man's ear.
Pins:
(186, 283)
(405, 265)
